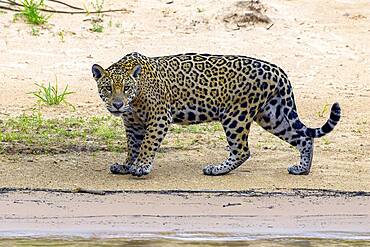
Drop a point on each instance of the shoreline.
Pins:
(183, 216)
(249, 192)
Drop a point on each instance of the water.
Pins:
(163, 242)
(189, 239)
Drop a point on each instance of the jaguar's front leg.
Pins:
(156, 130)
(135, 134)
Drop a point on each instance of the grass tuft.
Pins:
(31, 12)
(322, 113)
(50, 94)
(326, 141)
(97, 27)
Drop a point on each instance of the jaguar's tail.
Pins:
(316, 132)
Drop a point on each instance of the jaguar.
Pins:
(151, 93)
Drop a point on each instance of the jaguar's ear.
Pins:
(97, 71)
(136, 71)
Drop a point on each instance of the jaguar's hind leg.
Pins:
(273, 117)
(237, 138)
(306, 150)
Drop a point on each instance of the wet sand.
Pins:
(227, 216)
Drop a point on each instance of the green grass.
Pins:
(51, 94)
(36, 134)
(97, 21)
(97, 27)
(322, 113)
(325, 141)
(31, 12)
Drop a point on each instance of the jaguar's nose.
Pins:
(117, 104)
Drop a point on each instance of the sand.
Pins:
(231, 216)
(322, 46)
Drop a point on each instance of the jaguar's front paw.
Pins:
(119, 169)
(141, 170)
(214, 170)
(298, 170)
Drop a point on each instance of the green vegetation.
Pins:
(97, 27)
(325, 141)
(98, 6)
(31, 12)
(50, 95)
(61, 35)
(322, 113)
(36, 134)
(35, 31)
(97, 20)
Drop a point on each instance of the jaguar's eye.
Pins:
(126, 88)
(108, 88)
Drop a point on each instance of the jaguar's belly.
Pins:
(192, 114)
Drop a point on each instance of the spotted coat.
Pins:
(150, 93)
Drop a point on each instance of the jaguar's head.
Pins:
(117, 88)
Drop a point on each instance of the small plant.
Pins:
(323, 111)
(35, 31)
(31, 12)
(50, 95)
(97, 27)
(61, 35)
(98, 6)
(326, 141)
(98, 19)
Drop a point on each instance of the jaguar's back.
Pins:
(204, 86)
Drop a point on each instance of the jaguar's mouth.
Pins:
(119, 113)
(116, 113)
